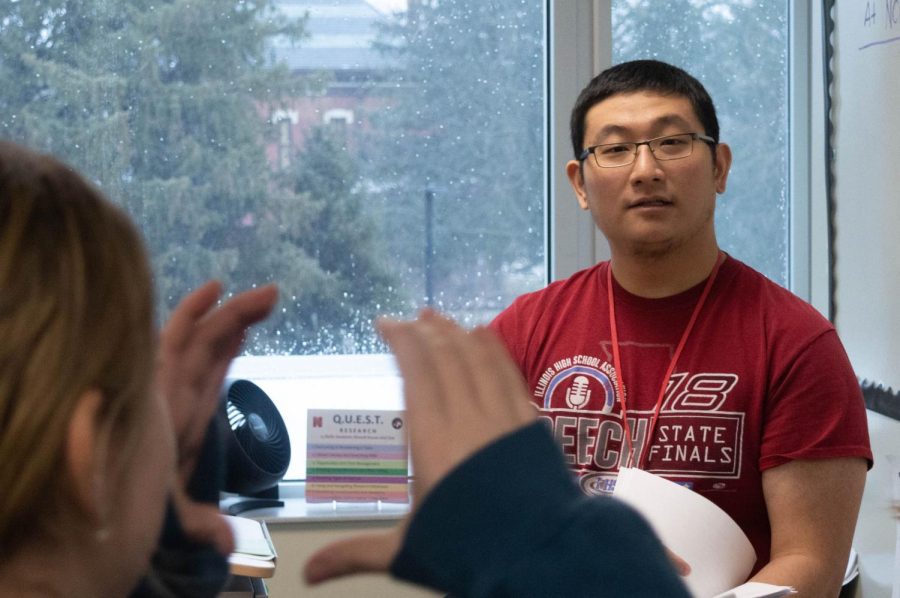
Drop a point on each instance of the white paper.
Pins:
(356, 456)
(894, 463)
(249, 537)
(719, 553)
(254, 555)
(755, 589)
(895, 593)
(852, 569)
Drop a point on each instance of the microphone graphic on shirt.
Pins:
(579, 393)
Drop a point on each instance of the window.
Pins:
(739, 51)
(373, 156)
(284, 121)
(339, 116)
(307, 142)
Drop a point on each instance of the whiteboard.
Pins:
(866, 141)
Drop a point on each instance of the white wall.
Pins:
(876, 530)
(866, 98)
(295, 542)
(867, 318)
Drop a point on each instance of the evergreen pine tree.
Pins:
(162, 104)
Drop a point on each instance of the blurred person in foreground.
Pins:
(102, 417)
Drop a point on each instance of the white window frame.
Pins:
(581, 47)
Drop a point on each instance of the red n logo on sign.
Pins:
(317, 421)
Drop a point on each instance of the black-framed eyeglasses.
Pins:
(667, 147)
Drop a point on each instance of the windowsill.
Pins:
(296, 509)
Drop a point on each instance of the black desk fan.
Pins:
(257, 447)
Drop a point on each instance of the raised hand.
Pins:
(196, 347)
(462, 392)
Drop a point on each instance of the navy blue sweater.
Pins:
(510, 521)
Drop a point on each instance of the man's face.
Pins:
(650, 207)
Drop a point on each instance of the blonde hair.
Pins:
(76, 313)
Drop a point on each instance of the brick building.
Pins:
(337, 53)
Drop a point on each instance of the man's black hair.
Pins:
(643, 75)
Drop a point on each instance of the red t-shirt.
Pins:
(762, 380)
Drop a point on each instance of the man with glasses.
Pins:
(675, 357)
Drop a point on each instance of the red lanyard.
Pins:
(620, 374)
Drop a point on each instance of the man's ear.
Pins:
(722, 166)
(86, 457)
(575, 173)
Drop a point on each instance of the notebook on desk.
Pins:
(254, 554)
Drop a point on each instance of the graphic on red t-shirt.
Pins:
(694, 436)
(576, 383)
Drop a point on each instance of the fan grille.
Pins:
(261, 438)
